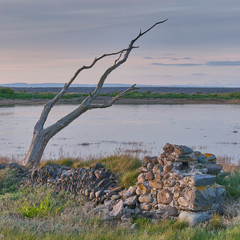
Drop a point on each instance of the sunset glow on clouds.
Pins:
(46, 41)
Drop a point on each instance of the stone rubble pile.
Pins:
(179, 183)
(96, 183)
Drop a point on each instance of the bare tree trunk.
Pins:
(36, 149)
(42, 135)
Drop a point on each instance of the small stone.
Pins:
(156, 184)
(164, 196)
(104, 183)
(142, 189)
(142, 170)
(147, 159)
(115, 197)
(182, 149)
(137, 210)
(97, 165)
(146, 198)
(176, 194)
(201, 157)
(183, 202)
(172, 211)
(99, 174)
(169, 183)
(131, 191)
(131, 201)
(126, 218)
(210, 157)
(134, 226)
(145, 207)
(91, 195)
(98, 193)
(141, 178)
(193, 218)
(117, 211)
(150, 166)
(149, 176)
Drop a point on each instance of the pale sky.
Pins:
(47, 40)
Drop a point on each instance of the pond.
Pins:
(142, 129)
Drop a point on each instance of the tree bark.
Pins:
(42, 135)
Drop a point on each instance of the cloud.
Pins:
(199, 74)
(223, 63)
(177, 64)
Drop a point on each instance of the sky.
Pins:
(46, 41)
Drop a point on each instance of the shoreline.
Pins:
(101, 100)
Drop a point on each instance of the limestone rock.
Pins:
(141, 178)
(200, 180)
(164, 196)
(131, 201)
(156, 184)
(146, 198)
(182, 149)
(117, 211)
(213, 168)
(193, 218)
(145, 207)
(149, 175)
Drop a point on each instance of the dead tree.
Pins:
(42, 135)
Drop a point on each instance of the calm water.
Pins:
(208, 128)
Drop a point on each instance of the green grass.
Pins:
(194, 96)
(8, 181)
(71, 222)
(8, 93)
(231, 184)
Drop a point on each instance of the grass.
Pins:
(8, 181)
(231, 184)
(72, 222)
(8, 93)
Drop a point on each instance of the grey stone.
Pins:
(3, 166)
(201, 157)
(131, 201)
(182, 149)
(172, 211)
(98, 193)
(213, 168)
(146, 198)
(117, 211)
(193, 218)
(150, 166)
(131, 191)
(97, 165)
(200, 180)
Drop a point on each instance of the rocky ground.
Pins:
(179, 184)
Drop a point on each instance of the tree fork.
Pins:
(42, 135)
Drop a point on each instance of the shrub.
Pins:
(45, 208)
(5, 90)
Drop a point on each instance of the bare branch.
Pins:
(113, 100)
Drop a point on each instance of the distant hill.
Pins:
(111, 85)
